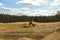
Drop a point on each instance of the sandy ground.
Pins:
(16, 30)
(53, 36)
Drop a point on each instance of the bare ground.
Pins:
(16, 30)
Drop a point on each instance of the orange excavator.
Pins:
(30, 24)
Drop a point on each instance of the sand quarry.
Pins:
(41, 31)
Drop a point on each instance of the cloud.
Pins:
(31, 2)
(1, 4)
(39, 12)
(5, 9)
(28, 12)
(55, 3)
(16, 11)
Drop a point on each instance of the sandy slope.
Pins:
(22, 38)
(25, 38)
(53, 36)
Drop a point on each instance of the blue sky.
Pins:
(30, 7)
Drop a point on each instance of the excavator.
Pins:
(30, 24)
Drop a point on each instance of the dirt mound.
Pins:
(25, 38)
(53, 36)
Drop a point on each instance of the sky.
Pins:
(30, 7)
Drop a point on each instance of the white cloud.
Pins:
(43, 12)
(28, 12)
(16, 11)
(55, 3)
(1, 4)
(31, 2)
(5, 9)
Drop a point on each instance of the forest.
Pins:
(6, 18)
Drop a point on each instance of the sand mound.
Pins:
(53, 36)
(25, 38)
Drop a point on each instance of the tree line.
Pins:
(6, 18)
